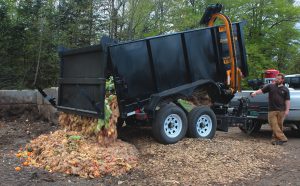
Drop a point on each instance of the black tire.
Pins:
(252, 127)
(298, 128)
(202, 123)
(294, 127)
(170, 124)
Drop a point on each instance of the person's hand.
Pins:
(286, 113)
(253, 94)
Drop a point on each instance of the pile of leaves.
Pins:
(87, 147)
(70, 152)
(104, 129)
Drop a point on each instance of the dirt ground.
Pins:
(157, 163)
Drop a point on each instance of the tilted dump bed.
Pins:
(145, 67)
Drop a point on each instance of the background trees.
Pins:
(32, 31)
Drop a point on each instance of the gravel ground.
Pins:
(231, 158)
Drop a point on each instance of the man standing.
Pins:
(279, 106)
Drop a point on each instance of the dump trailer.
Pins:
(151, 75)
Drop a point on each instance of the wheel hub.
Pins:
(173, 125)
(204, 125)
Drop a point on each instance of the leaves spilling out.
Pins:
(87, 147)
(70, 152)
(105, 130)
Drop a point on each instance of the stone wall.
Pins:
(14, 102)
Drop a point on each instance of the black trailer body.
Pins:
(158, 64)
(152, 74)
(145, 69)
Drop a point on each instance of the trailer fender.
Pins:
(183, 91)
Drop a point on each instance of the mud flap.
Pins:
(222, 124)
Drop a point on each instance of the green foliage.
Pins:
(32, 31)
(185, 104)
(108, 112)
(74, 137)
(109, 85)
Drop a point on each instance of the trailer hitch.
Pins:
(243, 106)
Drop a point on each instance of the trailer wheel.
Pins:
(170, 124)
(202, 123)
(253, 126)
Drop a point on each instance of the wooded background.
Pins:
(31, 31)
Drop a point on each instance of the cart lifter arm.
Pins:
(234, 74)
